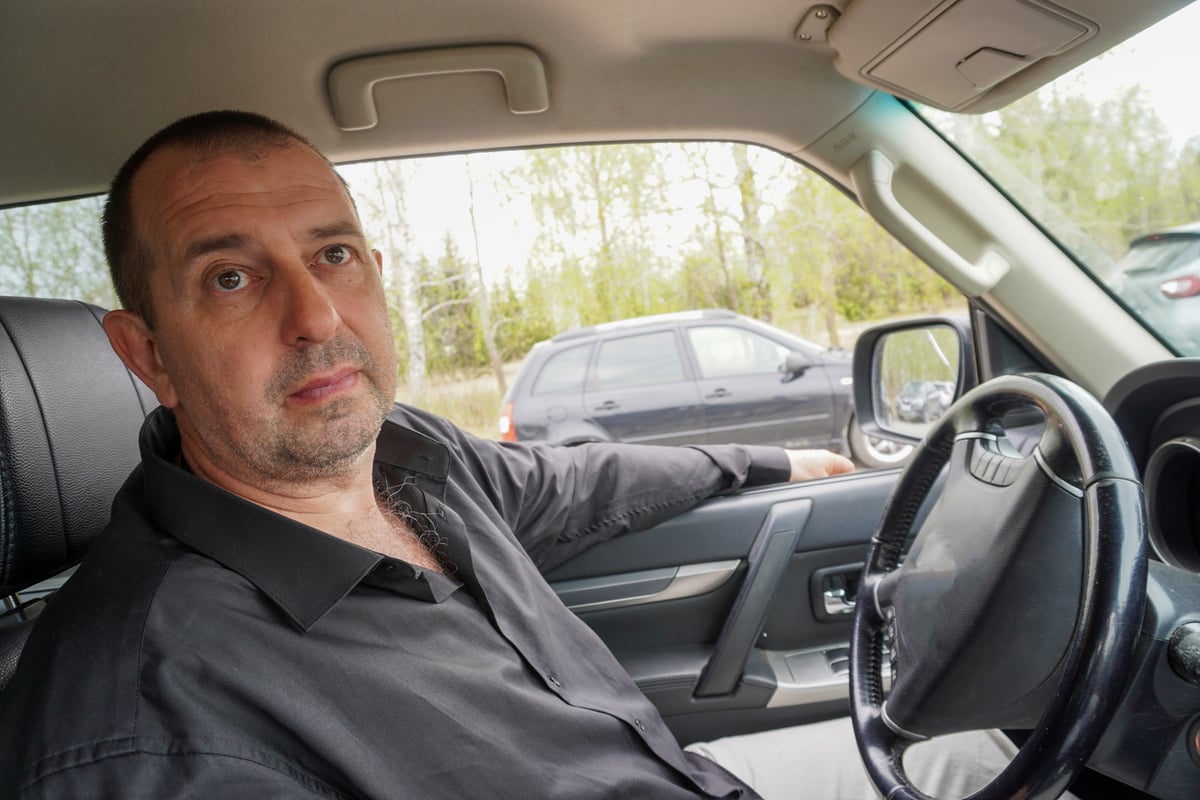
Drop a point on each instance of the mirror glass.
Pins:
(915, 373)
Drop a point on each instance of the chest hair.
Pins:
(389, 533)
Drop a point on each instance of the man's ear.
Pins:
(378, 256)
(134, 343)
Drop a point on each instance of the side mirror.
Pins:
(907, 374)
(794, 365)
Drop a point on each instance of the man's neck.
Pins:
(343, 505)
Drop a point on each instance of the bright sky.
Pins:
(1165, 60)
(438, 201)
(506, 225)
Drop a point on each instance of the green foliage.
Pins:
(453, 340)
(611, 246)
(522, 318)
(1098, 174)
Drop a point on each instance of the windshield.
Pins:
(1104, 156)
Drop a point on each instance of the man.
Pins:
(304, 590)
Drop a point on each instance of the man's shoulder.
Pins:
(436, 440)
(423, 422)
(81, 672)
(77, 678)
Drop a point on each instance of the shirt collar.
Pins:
(303, 570)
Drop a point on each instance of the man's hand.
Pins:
(809, 464)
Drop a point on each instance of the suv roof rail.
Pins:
(653, 319)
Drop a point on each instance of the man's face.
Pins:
(272, 330)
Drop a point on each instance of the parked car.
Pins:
(692, 377)
(1159, 277)
(924, 401)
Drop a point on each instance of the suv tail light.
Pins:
(1178, 288)
(508, 431)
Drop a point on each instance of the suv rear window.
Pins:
(1160, 254)
(638, 360)
(564, 371)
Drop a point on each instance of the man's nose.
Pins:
(310, 316)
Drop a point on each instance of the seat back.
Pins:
(69, 418)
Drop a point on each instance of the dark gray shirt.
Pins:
(208, 647)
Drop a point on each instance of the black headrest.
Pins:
(69, 419)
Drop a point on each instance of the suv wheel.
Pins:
(872, 452)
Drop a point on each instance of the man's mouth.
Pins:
(323, 387)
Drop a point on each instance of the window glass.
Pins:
(722, 351)
(1107, 159)
(487, 254)
(54, 250)
(638, 361)
(563, 371)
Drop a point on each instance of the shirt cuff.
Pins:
(767, 465)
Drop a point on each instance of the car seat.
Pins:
(70, 413)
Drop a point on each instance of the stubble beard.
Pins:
(327, 441)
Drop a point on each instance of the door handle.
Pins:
(835, 591)
(719, 393)
(608, 405)
(836, 602)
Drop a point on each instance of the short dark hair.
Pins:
(208, 134)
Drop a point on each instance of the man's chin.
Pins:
(335, 442)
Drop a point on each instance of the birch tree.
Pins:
(384, 206)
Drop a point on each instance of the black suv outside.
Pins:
(693, 377)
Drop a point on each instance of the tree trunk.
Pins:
(752, 247)
(482, 299)
(398, 245)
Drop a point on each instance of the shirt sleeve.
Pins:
(561, 500)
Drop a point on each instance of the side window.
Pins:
(54, 250)
(564, 371)
(638, 360)
(722, 351)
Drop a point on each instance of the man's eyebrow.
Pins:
(236, 241)
(334, 230)
(212, 244)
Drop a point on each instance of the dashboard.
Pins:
(1154, 740)
(1158, 410)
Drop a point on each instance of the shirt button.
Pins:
(553, 679)
(640, 726)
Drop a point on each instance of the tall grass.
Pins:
(472, 402)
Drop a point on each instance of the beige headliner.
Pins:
(85, 81)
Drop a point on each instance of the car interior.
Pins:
(743, 614)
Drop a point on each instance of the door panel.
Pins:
(766, 555)
(763, 409)
(748, 400)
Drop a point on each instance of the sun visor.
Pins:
(951, 54)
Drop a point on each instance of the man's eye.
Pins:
(230, 280)
(335, 254)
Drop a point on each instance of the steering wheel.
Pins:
(1019, 602)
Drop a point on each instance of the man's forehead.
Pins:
(190, 171)
(176, 185)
